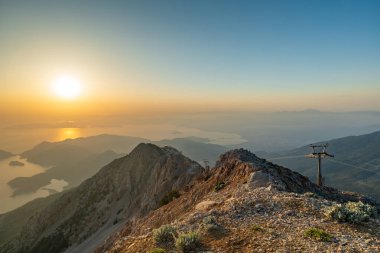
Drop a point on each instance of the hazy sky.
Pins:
(190, 55)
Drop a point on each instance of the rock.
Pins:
(205, 205)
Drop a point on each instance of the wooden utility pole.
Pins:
(319, 152)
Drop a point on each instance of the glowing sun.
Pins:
(67, 87)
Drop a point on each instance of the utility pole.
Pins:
(319, 152)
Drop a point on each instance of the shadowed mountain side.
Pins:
(355, 167)
(125, 189)
(11, 223)
(73, 172)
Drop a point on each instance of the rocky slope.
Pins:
(126, 189)
(255, 206)
(11, 223)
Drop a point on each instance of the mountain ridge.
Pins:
(125, 188)
(241, 192)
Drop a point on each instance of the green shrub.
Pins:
(318, 234)
(210, 225)
(157, 250)
(310, 195)
(169, 197)
(255, 227)
(219, 185)
(164, 234)
(188, 242)
(352, 212)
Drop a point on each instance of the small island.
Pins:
(16, 163)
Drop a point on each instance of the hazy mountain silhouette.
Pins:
(75, 160)
(195, 148)
(5, 154)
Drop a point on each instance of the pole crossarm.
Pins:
(319, 152)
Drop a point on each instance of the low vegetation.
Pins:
(157, 250)
(164, 234)
(256, 228)
(173, 194)
(311, 195)
(318, 234)
(219, 185)
(188, 242)
(210, 225)
(352, 212)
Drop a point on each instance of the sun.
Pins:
(67, 87)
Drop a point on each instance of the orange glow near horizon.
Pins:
(68, 133)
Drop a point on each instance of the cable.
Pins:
(353, 166)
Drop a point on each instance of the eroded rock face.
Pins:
(125, 189)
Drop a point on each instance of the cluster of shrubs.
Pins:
(318, 234)
(169, 197)
(352, 212)
(185, 242)
(164, 234)
(210, 225)
(188, 242)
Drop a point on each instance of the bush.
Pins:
(310, 195)
(255, 227)
(188, 242)
(164, 235)
(210, 224)
(219, 186)
(169, 197)
(157, 250)
(318, 234)
(352, 212)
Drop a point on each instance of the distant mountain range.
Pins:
(75, 160)
(355, 167)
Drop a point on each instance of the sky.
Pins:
(174, 56)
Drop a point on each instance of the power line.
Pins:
(285, 157)
(353, 166)
(374, 166)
